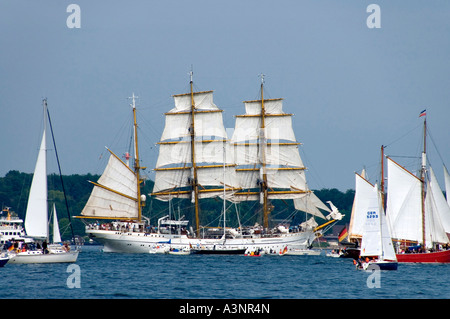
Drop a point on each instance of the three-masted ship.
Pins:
(197, 161)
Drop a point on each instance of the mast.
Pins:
(60, 173)
(137, 166)
(422, 177)
(190, 162)
(117, 193)
(44, 103)
(382, 178)
(262, 143)
(194, 165)
(224, 194)
(267, 158)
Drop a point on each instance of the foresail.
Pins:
(56, 233)
(386, 239)
(437, 217)
(362, 199)
(37, 210)
(115, 193)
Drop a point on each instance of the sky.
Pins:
(351, 88)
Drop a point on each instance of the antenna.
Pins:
(262, 78)
(133, 99)
(191, 73)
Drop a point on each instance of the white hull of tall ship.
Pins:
(198, 163)
(140, 242)
(39, 257)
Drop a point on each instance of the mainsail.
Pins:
(267, 157)
(37, 209)
(404, 203)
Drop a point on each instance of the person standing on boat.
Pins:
(44, 247)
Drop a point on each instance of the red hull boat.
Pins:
(432, 257)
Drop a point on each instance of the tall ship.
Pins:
(198, 161)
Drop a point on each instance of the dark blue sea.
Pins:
(98, 275)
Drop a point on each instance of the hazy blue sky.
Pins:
(350, 87)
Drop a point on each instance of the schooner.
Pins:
(197, 161)
(416, 210)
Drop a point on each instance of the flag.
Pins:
(343, 234)
(423, 113)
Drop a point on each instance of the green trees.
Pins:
(14, 189)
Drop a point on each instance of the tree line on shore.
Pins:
(15, 185)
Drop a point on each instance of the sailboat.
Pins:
(36, 220)
(418, 213)
(376, 243)
(363, 191)
(197, 161)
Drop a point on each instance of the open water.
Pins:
(98, 275)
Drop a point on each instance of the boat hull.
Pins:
(303, 252)
(181, 252)
(40, 258)
(431, 257)
(351, 253)
(219, 251)
(381, 265)
(139, 242)
(3, 261)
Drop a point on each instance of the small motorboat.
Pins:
(4, 258)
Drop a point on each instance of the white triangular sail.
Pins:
(447, 184)
(37, 210)
(386, 239)
(56, 233)
(115, 193)
(363, 193)
(437, 212)
(404, 203)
